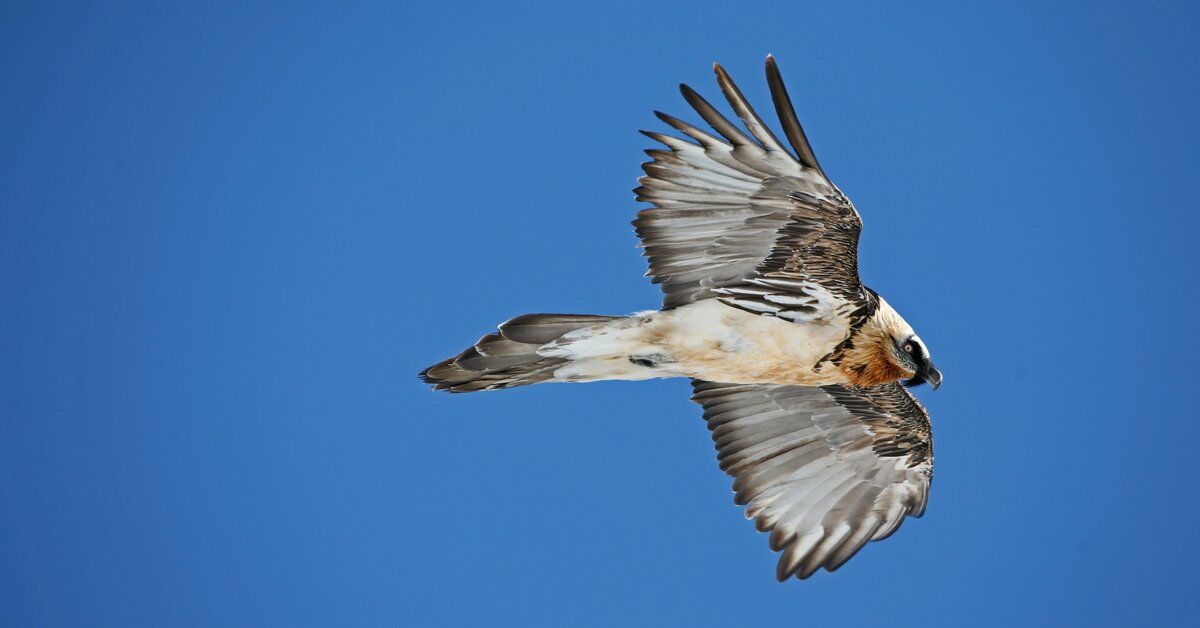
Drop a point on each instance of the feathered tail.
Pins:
(510, 357)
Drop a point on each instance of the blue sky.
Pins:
(231, 235)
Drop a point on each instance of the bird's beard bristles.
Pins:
(871, 360)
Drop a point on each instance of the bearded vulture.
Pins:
(802, 371)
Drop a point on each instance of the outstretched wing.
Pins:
(739, 218)
(826, 469)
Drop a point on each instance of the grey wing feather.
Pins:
(738, 217)
(824, 470)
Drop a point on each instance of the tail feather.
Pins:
(509, 357)
(542, 328)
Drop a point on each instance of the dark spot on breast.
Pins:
(650, 361)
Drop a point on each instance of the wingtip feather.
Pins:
(786, 113)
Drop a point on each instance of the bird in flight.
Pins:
(802, 370)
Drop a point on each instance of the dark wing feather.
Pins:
(824, 470)
(738, 217)
(787, 117)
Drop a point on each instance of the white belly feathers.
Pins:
(706, 340)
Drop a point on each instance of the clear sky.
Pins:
(231, 234)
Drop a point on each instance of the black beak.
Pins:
(926, 374)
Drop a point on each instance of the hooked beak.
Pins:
(926, 374)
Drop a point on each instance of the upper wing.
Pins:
(824, 469)
(740, 218)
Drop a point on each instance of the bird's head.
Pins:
(886, 349)
(910, 354)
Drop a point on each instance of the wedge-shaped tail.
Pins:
(510, 357)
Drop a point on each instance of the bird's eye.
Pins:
(908, 347)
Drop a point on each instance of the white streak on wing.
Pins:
(756, 306)
(791, 299)
(827, 305)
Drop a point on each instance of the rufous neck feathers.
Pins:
(871, 359)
